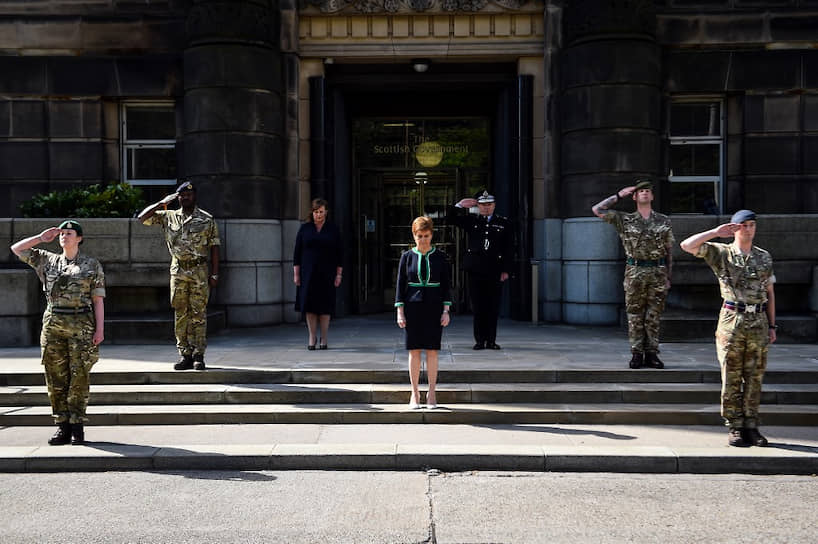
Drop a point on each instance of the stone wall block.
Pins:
(759, 70)
(82, 76)
(18, 331)
(589, 238)
(106, 240)
(254, 316)
(152, 75)
(216, 65)
(551, 281)
(575, 281)
(611, 61)
(696, 72)
(148, 244)
(23, 75)
(813, 291)
(237, 283)
(590, 314)
(23, 160)
(75, 161)
(6, 240)
(20, 293)
(268, 281)
(233, 109)
(610, 150)
(251, 240)
(605, 282)
(635, 106)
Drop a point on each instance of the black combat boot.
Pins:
(479, 345)
(736, 438)
(62, 436)
(77, 434)
(198, 361)
(185, 363)
(753, 437)
(637, 359)
(652, 360)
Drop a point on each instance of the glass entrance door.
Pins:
(404, 168)
(389, 200)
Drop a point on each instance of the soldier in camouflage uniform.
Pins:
(647, 238)
(192, 238)
(73, 323)
(746, 320)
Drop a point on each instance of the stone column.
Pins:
(610, 100)
(232, 146)
(610, 105)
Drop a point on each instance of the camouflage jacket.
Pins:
(66, 283)
(642, 238)
(742, 278)
(189, 237)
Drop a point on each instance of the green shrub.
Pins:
(113, 200)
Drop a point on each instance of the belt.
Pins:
(740, 307)
(645, 262)
(191, 262)
(80, 310)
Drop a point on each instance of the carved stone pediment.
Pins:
(396, 6)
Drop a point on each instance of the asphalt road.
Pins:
(380, 507)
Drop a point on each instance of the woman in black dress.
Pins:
(423, 298)
(317, 271)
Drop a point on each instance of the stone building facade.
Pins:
(391, 108)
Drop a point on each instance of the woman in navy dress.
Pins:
(317, 271)
(423, 298)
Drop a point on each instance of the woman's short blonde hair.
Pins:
(422, 223)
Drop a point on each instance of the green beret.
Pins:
(71, 224)
(644, 184)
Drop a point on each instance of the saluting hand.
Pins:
(170, 198)
(503, 276)
(467, 203)
(625, 192)
(48, 235)
(728, 229)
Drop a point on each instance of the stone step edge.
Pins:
(313, 376)
(655, 414)
(102, 456)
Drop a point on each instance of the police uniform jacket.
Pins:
(489, 244)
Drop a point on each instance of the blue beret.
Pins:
(743, 215)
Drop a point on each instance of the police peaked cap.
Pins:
(743, 215)
(186, 186)
(71, 224)
(484, 198)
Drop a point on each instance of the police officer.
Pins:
(488, 261)
(647, 238)
(746, 320)
(73, 323)
(192, 238)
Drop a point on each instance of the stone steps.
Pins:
(705, 374)
(275, 393)
(354, 413)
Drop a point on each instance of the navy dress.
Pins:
(318, 254)
(423, 289)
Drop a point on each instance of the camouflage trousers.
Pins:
(68, 353)
(645, 294)
(188, 297)
(741, 346)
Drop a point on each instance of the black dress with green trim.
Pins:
(423, 289)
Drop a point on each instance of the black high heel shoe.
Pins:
(322, 346)
(311, 347)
